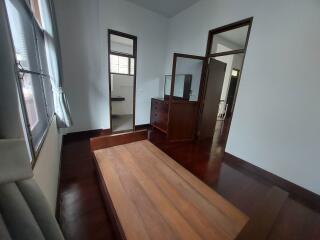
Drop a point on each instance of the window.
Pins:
(34, 80)
(121, 65)
(131, 66)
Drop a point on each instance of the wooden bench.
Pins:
(153, 197)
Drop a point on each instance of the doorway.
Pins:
(226, 49)
(122, 58)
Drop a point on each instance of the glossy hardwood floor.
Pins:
(84, 216)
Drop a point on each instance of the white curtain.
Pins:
(61, 106)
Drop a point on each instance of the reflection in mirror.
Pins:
(187, 78)
(230, 40)
(167, 85)
(182, 86)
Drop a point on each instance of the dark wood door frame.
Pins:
(212, 32)
(134, 55)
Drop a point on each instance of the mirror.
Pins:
(230, 40)
(187, 78)
(182, 87)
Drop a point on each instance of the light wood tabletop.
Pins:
(153, 197)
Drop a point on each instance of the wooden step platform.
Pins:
(153, 197)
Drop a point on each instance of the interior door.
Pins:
(216, 72)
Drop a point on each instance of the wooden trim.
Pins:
(173, 77)
(105, 131)
(117, 139)
(135, 39)
(231, 26)
(264, 216)
(232, 52)
(185, 102)
(92, 132)
(301, 194)
(122, 34)
(182, 55)
(160, 129)
(142, 126)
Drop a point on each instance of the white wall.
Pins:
(46, 169)
(83, 29)
(275, 124)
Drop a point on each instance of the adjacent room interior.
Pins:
(145, 119)
(122, 78)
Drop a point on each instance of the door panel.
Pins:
(216, 72)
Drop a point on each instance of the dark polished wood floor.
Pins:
(84, 216)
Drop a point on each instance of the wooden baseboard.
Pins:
(297, 192)
(142, 126)
(106, 141)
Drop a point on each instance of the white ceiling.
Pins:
(167, 8)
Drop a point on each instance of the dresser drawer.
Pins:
(159, 114)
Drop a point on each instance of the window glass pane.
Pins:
(123, 65)
(22, 30)
(114, 63)
(33, 94)
(30, 101)
(131, 66)
(121, 44)
(47, 87)
(46, 16)
(230, 40)
(167, 85)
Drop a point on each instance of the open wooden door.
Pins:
(216, 73)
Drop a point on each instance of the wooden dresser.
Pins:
(180, 124)
(159, 114)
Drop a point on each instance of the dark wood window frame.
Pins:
(134, 56)
(35, 16)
